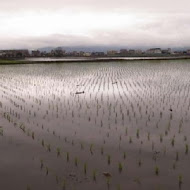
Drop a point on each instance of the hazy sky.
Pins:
(39, 23)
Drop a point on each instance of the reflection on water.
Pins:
(134, 107)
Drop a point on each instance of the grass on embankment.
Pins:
(6, 62)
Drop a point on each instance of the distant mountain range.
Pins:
(103, 48)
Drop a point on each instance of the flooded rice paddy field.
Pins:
(95, 126)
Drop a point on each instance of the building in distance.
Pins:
(87, 54)
(138, 52)
(167, 51)
(123, 52)
(15, 53)
(98, 54)
(112, 53)
(154, 51)
(131, 52)
(36, 53)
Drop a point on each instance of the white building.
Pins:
(154, 51)
(112, 52)
(1, 54)
(87, 54)
(138, 51)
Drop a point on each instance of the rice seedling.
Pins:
(173, 141)
(120, 167)
(23, 128)
(108, 182)
(139, 163)
(102, 150)
(148, 136)
(41, 163)
(186, 149)
(130, 140)
(85, 168)
(156, 170)
(49, 147)
(180, 180)
(124, 155)
(161, 138)
(58, 152)
(81, 146)
(47, 170)
(179, 131)
(137, 133)
(94, 175)
(160, 114)
(63, 186)
(33, 135)
(1, 131)
(76, 161)
(67, 155)
(91, 148)
(108, 159)
(126, 131)
(118, 187)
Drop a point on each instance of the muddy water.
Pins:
(63, 122)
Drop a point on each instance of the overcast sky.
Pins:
(40, 23)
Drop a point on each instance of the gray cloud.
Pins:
(148, 35)
(161, 23)
(103, 5)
